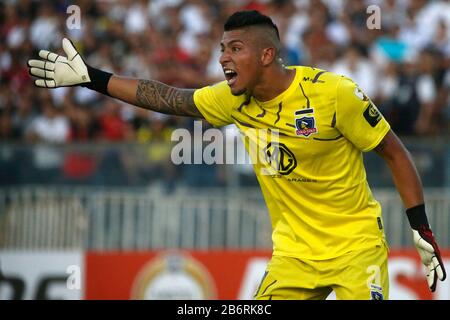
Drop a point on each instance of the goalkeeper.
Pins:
(327, 227)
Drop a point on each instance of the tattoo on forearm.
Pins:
(162, 98)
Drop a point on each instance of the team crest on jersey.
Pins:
(376, 292)
(305, 125)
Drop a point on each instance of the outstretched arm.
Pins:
(54, 71)
(154, 95)
(409, 186)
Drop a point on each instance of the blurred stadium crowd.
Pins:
(403, 66)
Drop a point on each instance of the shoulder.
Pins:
(323, 82)
(337, 88)
(217, 89)
(317, 75)
(221, 93)
(221, 87)
(337, 84)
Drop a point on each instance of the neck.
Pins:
(273, 82)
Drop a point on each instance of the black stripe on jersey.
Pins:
(331, 139)
(260, 284)
(317, 76)
(303, 111)
(262, 114)
(279, 132)
(307, 99)
(271, 284)
(245, 124)
(243, 104)
(290, 125)
(280, 106)
(333, 121)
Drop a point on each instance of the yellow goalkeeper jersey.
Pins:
(306, 148)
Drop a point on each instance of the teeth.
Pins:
(231, 74)
(231, 81)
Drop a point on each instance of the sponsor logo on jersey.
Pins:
(372, 115)
(313, 80)
(280, 158)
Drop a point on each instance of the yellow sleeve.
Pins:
(215, 103)
(357, 118)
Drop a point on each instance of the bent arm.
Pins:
(154, 95)
(404, 173)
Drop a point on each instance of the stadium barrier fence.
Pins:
(36, 218)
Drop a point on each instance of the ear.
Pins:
(267, 56)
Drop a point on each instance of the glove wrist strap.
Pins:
(99, 80)
(417, 216)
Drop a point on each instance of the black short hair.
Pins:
(247, 18)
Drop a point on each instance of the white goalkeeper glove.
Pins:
(426, 246)
(57, 71)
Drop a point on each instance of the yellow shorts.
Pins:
(357, 275)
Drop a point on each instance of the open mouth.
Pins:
(230, 76)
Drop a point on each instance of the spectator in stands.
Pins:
(175, 41)
(80, 162)
(48, 130)
(355, 66)
(427, 94)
